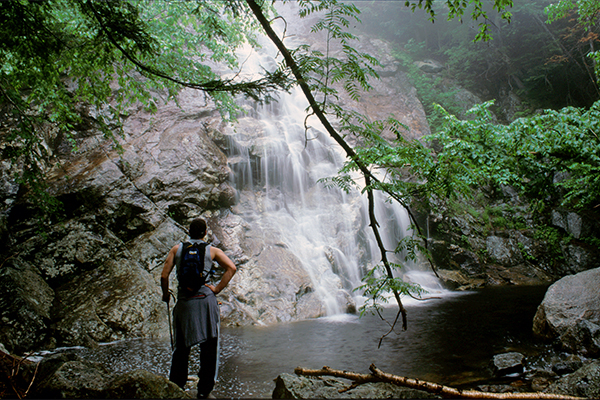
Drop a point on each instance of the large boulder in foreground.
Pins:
(570, 312)
(288, 386)
(68, 376)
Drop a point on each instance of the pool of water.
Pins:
(449, 341)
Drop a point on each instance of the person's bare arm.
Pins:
(164, 276)
(219, 256)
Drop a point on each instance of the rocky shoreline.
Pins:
(568, 319)
(583, 382)
(69, 376)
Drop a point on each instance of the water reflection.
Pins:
(448, 341)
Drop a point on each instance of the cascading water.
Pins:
(318, 224)
(280, 162)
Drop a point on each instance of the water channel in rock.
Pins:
(450, 340)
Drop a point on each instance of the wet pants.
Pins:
(209, 360)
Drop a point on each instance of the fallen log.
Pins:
(377, 375)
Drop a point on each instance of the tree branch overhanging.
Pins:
(253, 89)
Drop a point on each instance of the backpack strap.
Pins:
(178, 254)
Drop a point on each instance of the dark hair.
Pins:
(198, 228)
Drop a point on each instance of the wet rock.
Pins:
(585, 382)
(46, 367)
(508, 363)
(583, 337)
(456, 280)
(546, 368)
(273, 287)
(571, 222)
(516, 275)
(24, 307)
(75, 380)
(141, 384)
(289, 386)
(65, 375)
(346, 301)
(566, 364)
(449, 256)
(503, 250)
(570, 312)
(578, 258)
(497, 388)
(539, 384)
(116, 301)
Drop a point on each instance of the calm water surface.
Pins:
(449, 341)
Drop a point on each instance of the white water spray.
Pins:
(276, 160)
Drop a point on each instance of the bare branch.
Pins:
(377, 375)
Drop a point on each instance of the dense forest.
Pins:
(546, 64)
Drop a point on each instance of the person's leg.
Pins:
(179, 364)
(209, 365)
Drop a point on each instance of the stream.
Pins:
(449, 340)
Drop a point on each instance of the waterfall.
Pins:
(317, 224)
(277, 162)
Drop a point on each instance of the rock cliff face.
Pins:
(495, 242)
(93, 276)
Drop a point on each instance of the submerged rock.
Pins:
(508, 363)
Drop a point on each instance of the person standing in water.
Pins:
(196, 314)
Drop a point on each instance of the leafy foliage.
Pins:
(61, 58)
(377, 287)
(554, 156)
(457, 8)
